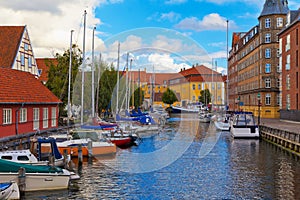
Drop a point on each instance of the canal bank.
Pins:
(285, 134)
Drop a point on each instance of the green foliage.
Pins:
(169, 97)
(58, 74)
(107, 83)
(138, 97)
(205, 96)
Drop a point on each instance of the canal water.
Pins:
(188, 160)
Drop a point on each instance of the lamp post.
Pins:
(259, 104)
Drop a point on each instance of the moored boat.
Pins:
(243, 125)
(9, 190)
(36, 177)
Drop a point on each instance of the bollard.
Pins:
(80, 155)
(66, 160)
(22, 180)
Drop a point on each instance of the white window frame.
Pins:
(45, 117)
(23, 115)
(53, 116)
(288, 102)
(267, 23)
(268, 67)
(268, 83)
(22, 59)
(268, 99)
(279, 22)
(268, 38)
(288, 42)
(288, 61)
(7, 116)
(288, 82)
(36, 118)
(267, 53)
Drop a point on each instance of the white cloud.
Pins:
(49, 22)
(171, 16)
(220, 2)
(212, 21)
(175, 1)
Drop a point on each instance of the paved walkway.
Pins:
(281, 124)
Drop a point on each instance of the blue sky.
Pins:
(167, 34)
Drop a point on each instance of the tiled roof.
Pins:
(10, 37)
(272, 7)
(200, 69)
(43, 64)
(22, 87)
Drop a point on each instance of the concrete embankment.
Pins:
(285, 134)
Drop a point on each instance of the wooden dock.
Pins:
(284, 134)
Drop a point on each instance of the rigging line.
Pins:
(79, 29)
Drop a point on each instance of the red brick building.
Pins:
(26, 105)
(289, 39)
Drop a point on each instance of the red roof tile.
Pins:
(10, 37)
(22, 87)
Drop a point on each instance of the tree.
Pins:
(59, 72)
(205, 96)
(169, 97)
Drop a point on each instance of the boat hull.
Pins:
(244, 132)
(9, 190)
(223, 126)
(40, 181)
(98, 149)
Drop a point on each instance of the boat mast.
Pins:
(227, 81)
(93, 74)
(126, 88)
(129, 87)
(98, 86)
(69, 85)
(82, 69)
(118, 63)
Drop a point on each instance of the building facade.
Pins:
(26, 105)
(289, 39)
(189, 83)
(254, 73)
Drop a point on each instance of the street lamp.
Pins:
(259, 104)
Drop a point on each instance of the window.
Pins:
(278, 53)
(268, 68)
(288, 60)
(203, 86)
(26, 47)
(212, 86)
(194, 98)
(45, 117)
(29, 61)
(199, 87)
(219, 86)
(268, 99)
(278, 83)
(22, 59)
(268, 38)
(36, 116)
(267, 23)
(23, 158)
(53, 116)
(268, 83)
(278, 100)
(7, 116)
(288, 102)
(194, 87)
(288, 43)
(268, 53)
(297, 58)
(279, 67)
(279, 22)
(288, 86)
(23, 115)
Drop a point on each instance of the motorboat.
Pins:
(122, 139)
(204, 116)
(36, 177)
(243, 125)
(22, 156)
(88, 140)
(221, 122)
(9, 190)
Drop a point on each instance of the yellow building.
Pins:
(189, 83)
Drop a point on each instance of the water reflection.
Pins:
(232, 169)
